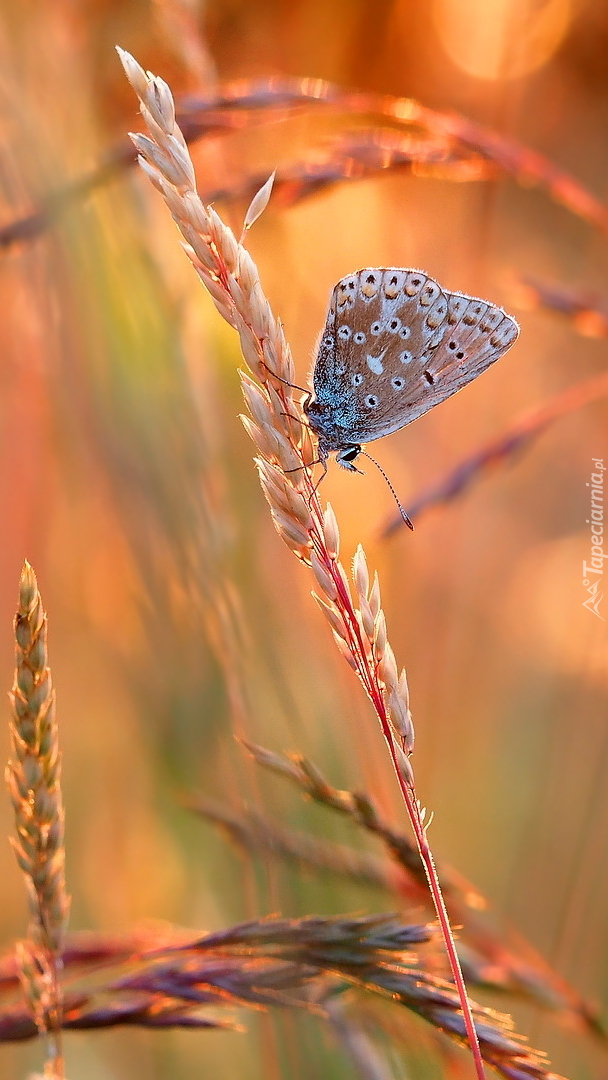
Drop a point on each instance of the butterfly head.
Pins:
(348, 456)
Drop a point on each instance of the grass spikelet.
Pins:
(331, 533)
(259, 203)
(332, 615)
(33, 779)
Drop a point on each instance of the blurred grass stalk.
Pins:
(33, 777)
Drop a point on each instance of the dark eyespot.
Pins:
(370, 279)
(357, 379)
(359, 337)
(344, 332)
(398, 382)
(460, 355)
(372, 401)
(328, 341)
(376, 328)
(394, 325)
(429, 378)
(404, 332)
(405, 357)
(451, 345)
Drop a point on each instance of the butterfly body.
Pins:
(395, 344)
(332, 431)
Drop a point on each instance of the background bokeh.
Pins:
(177, 618)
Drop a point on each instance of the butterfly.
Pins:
(396, 344)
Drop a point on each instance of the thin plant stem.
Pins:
(278, 427)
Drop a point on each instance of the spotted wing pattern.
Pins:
(396, 344)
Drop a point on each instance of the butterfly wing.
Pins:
(396, 344)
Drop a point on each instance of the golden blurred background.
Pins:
(177, 618)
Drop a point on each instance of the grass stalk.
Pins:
(285, 461)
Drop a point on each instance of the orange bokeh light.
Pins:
(501, 39)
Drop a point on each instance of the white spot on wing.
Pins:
(374, 363)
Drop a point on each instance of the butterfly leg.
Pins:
(309, 464)
(322, 460)
(294, 386)
(298, 418)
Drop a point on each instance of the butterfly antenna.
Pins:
(402, 511)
